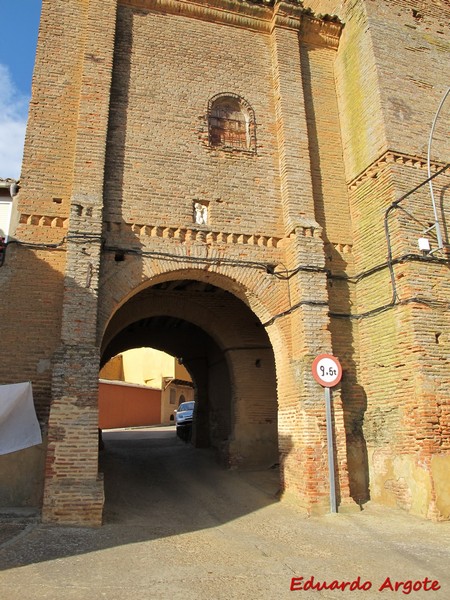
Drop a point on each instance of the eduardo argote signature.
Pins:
(407, 586)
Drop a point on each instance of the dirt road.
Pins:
(177, 526)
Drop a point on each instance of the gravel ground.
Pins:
(177, 526)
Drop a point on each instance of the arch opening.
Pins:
(142, 387)
(221, 343)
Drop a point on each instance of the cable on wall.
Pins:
(393, 206)
(270, 269)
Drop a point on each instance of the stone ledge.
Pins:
(43, 220)
(339, 247)
(191, 234)
(256, 15)
(388, 158)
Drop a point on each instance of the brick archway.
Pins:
(226, 350)
(235, 308)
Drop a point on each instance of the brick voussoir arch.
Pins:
(250, 286)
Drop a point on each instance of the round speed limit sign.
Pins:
(327, 370)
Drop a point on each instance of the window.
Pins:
(173, 396)
(231, 123)
(5, 217)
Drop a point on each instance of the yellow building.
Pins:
(144, 368)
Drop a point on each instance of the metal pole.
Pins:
(330, 450)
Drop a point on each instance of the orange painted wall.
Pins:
(122, 405)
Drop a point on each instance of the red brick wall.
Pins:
(127, 406)
(117, 139)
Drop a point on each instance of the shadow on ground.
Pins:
(178, 527)
(155, 486)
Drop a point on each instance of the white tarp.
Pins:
(19, 427)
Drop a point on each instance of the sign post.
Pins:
(327, 371)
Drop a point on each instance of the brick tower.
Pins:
(240, 184)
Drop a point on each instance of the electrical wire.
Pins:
(392, 207)
(401, 259)
(286, 275)
(292, 309)
(36, 244)
(390, 305)
(262, 266)
(436, 225)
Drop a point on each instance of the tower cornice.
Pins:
(259, 15)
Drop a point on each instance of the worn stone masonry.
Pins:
(231, 182)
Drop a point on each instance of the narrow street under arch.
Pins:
(230, 359)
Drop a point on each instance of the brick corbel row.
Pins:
(183, 234)
(391, 157)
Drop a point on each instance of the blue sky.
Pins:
(20, 22)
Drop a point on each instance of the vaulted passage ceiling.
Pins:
(169, 334)
(184, 318)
